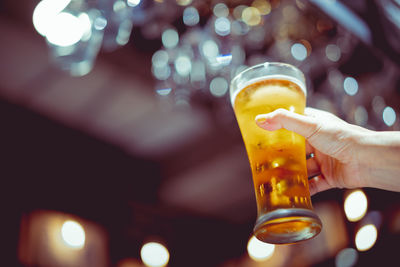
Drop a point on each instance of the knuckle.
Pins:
(314, 130)
(281, 112)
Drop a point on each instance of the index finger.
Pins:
(282, 118)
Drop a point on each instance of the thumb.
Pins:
(282, 118)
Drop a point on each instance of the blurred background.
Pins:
(119, 146)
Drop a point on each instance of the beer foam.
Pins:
(244, 84)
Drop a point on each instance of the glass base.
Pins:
(285, 226)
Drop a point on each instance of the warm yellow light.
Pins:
(259, 251)
(154, 254)
(130, 262)
(251, 16)
(366, 237)
(73, 234)
(238, 11)
(183, 2)
(263, 6)
(355, 205)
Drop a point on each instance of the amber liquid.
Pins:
(277, 158)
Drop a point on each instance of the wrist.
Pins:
(378, 154)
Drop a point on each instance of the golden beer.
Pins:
(277, 158)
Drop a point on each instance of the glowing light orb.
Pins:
(154, 254)
(259, 251)
(66, 29)
(350, 86)
(355, 205)
(389, 116)
(366, 237)
(73, 234)
(44, 13)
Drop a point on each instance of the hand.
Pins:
(334, 143)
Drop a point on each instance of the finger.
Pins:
(309, 148)
(282, 118)
(313, 112)
(318, 184)
(312, 167)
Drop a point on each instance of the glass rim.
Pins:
(301, 82)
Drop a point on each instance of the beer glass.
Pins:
(277, 158)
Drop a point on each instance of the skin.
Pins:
(345, 155)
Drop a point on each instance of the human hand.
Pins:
(333, 142)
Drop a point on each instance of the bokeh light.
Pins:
(210, 49)
(124, 32)
(238, 10)
(224, 60)
(347, 257)
(333, 52)
(100, 23)
(389, 116)
(259, 251)
(355, 205)
(183, 65)
(86, 25)
(184, 2)
(350, 86)
(366, 237)
(161, 73)
(251, 16)
(221, 10)
(154, 254)
(299, 51)
(361, 116)
(133, 3)
(222, 26)
(307, 45)
(163, 91)
(263, 6)
(66, 29)
(191, 16)
(118, 6)
(170, 38)
(198, 74)
(160, 58)
(239, 27)
(378, 104)
(73, 234)
(218, 86)
(45, 12)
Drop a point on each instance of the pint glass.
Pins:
(277, 158)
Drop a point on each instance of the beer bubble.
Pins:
(261, 167)
(282, 186)
(278, 162)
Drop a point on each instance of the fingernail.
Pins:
(261, 120)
